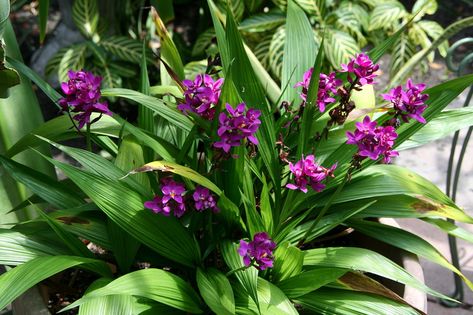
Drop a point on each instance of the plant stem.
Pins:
(89, 143)
(228, 274)
(325, 208)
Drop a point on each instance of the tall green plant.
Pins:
(241, 191)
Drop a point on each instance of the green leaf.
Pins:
(360, 259)
(59, 128)
(42, 185)
(343, 302)
(237, 7)
(299, 50)
(339, 47)
(155, 104)
(73, 243)
(247, 277)
(165, 235)
(18, 248)
(130, 155)
(43, 18)
(309, 281)
(155, 284)
(406, 241)
(111, 304)
(125, 48)
(19, 279)
(85, 14)
(451, 229)
(288, 262)
(98, 165)
(216, 291)
(262, 22)
(386, 14)
(403, 50)
(272, 301)
(446, 123)
(83, 222)
(4, 14)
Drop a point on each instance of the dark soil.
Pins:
(65, 288)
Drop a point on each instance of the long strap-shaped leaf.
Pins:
(360, 259)
(154, 284)
(407, 241)
(19, 279)
(343, 302)
(42, 185)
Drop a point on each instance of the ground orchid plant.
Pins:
(221, 200)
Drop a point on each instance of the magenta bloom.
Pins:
(258, 251)
(327, 87)
(201, 96)
(171, 201)
(237, 125)
(82, 96)
(409, 103)
(373, 141)
(363, 68)
(204, 199)
(308, 173)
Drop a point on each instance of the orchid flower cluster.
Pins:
(308, 173)
(82, 92)
(237, 125)
(201, 96)
(258, 252)
(173, 199)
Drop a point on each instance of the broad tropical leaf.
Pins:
(19, 279)
(360, 259)
(68, 58)
(309, 281)
(155, 284)
(342, 302)
(216, 291)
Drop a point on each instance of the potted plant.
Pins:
(220, 201)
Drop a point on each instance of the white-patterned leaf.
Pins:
(203, 41)
(403, 50)
(424, 7)
(68, 58)
(85, 14)
(434, 31)
(262, 22)
(124, 48)
(385, 14)
(339, 47)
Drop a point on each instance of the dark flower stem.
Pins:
(89, 143)
(326, 207)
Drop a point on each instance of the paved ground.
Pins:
(431, 161)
